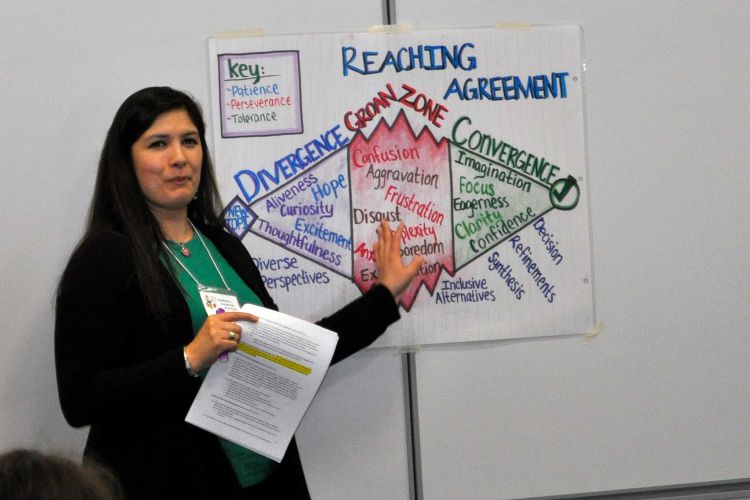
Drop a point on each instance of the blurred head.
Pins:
(28, 474)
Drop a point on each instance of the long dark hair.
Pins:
(118, 203)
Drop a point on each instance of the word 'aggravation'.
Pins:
(416, 176)
(427, 57)
(252, 183)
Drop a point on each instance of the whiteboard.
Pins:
(661, 396)
(66, 67)
(472, 138)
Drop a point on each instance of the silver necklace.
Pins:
(183, 249)
(198, 283)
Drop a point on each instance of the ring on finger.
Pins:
(232, 336)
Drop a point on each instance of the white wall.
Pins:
(663, 395)
(64, 69)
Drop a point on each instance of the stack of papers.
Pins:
(257, 396)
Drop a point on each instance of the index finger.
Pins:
(384, 231)
(397, 234)
(238, 316)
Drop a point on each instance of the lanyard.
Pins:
(200, 286)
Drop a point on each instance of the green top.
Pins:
(249, 467)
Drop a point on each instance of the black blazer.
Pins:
(123, 375)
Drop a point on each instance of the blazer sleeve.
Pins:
(358, 324)
(112, 360)
(362, 321)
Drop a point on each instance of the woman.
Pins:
(131, 333)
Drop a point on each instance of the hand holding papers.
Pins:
(257, 396)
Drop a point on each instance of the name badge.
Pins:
(218, 300)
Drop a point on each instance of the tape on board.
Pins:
(513, 25)
(390, 28)
(595, 331)
(241, 33)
